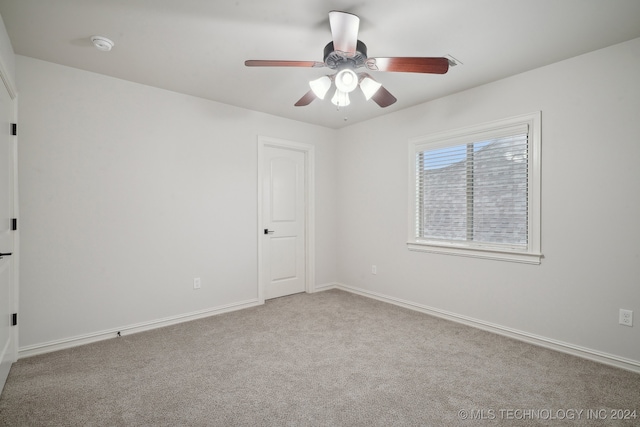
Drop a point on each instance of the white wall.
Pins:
(590, 207)
(128, 192)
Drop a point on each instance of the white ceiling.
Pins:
(198, 47)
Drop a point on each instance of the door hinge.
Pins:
(14, 224)
(14, 129)
(14, 319)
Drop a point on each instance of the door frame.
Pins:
(309, 247)
(8, 83)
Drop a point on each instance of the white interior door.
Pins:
(7, 352)
(284, 222)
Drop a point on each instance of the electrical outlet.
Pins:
(197, 283)
(626, 317)
(374, 269)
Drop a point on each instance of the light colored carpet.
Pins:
(325, 359)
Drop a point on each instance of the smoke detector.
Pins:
(102, 43)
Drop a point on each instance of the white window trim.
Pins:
(532, 254)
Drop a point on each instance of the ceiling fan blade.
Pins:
(383, 97)
(306, 99)
(277, 63)
(344, 30)
(409, 64)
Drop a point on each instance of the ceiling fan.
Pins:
(345, 54)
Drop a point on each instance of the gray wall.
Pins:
(590, 206)
(128, 192)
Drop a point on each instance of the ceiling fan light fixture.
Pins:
(369, 87)
(345, 54)
(346, 80)
(340, 98)
(320, 86)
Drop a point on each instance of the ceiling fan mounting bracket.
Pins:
(335, 59)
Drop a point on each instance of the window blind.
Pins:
(475, 189)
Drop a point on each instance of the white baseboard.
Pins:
(33, 350)
(326, 286)
(585, 353)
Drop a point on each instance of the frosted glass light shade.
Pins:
(369, 87)
(320, 86)
(340, 98)
(346, 80)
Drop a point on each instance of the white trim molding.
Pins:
(326, 286)
(477, 252)
(47, 347)
(531, 253)
(10, 351)
(550, 343)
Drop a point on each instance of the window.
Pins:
(476, 191)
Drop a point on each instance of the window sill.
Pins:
(476, 252)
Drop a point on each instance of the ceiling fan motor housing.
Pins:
(338, 60)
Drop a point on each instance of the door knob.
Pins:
(267, 231)
(7, 254)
